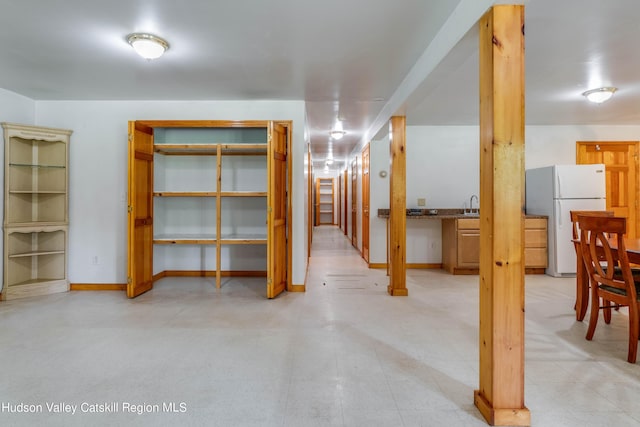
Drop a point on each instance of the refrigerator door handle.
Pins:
(559, 195)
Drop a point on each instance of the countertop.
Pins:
(443, 213)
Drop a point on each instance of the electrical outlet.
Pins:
(94, 260)
(422, 201)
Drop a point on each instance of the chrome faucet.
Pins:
(471, 203)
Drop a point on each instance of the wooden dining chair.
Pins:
(582, 279)
(596, 236)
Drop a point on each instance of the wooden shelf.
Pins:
(211, 149)
(243, 193)
(185, 239)
(185, 194)
(244, 239)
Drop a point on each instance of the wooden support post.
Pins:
(398, 205)
(500, 398)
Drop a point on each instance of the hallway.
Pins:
(344, 353)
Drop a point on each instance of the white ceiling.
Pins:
(361, 60)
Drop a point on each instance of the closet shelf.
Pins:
(210, 194)
(185, 239)
(210, 239)
(184, 193)
(244, 239)
(211, 149)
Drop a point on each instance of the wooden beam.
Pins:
(500, 397)
(398, 205)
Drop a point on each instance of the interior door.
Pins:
(622, 178)
(365, 203)
(317, 201)
(354, 202)
(346, 201)
(310, 202)
(339, 207)
(277, 211)
(140, 210)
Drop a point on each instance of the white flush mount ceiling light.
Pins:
(337, 132)
(600, 94)
(147, 45)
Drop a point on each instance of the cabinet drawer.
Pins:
(535, 223)
(535, 257)
(535, 238)
(468, 223)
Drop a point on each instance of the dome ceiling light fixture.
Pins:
(600, 95)
(147, 45)
(337, 132)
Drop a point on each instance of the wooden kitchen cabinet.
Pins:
(461, 245)
(535, 245)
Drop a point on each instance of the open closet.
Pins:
(208, 198)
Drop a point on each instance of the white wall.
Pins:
(14, 108)
(443, 167)
(98, 172)
(378, 199)
(549, 145)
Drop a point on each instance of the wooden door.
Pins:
(317, 204)
(621, 167)
(339, 205)
(354, 202)
(346, 200)
(309, 202)
(277, 211)
(140, 210)
(365, 203)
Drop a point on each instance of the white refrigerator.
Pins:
(555, 191)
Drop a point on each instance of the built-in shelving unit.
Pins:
(324, 201)
(210, 191)
(36, 203)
